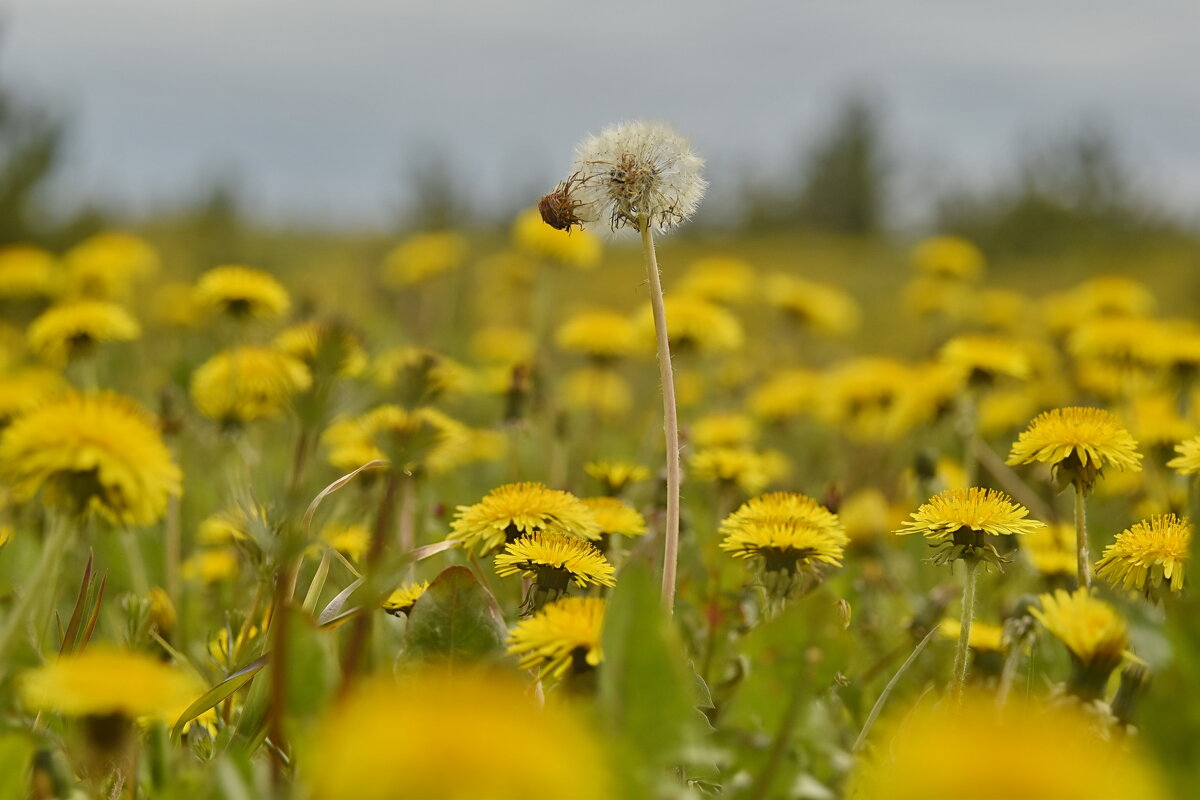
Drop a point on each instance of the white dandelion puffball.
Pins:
(634, 171)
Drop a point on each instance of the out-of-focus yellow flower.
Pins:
(615, 517)
(960, 523)
(724, 429)
(867, 515)
(173, 303)
(106, 265)
(818, 306)
(984, 636)
(931, 393)
(1102, 296)
(579, 248)
(984, 358)
(94, 452)
(515, 509)
(240, 292)
(248, 383)
(598, 389)
(1051, 550)
(1121, 341)
(1188, 460)
(6, 533)
(927, 296)
(1004, 410)
(1002, 310)
(461, 718)
(1091, 629)
(693, 325)
(1155, 421)
(948, 257)
(324, 347)
(418, 439)
(1150, 552)
(1033, 751)
(506, 345)
(233, 524)
(616, 475)
(104, 680)
(553, 560)
(161, 609)
(210, 565)
(402, 600)
(424, 373)
(25, 389)
(691, 386)
(26, 271)
(565, 635)
(350, 540)
(229, 650)
(785, 395)
(719, 279)
(1077, 443)
(864, 397)
(74, 328)
(741, 466)
(423, 255)
(599, 334)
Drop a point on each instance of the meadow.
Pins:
(363, 516)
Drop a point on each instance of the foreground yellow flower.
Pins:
(464, 726)
(554, 560)
(565, 635)
(74, 328)
(402, 600)
(94, 452)
(26, 271)
(248, 383)
(1188, 460)
(1150, 552)
(1077, 443)
(948, 257)
(104, 680)
(973, 750)
(423, 255)
(960, 523)
(240, 292)
(510, 511)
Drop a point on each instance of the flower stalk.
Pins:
(964, 631)
(1085, 572)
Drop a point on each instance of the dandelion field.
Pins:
(350, 517)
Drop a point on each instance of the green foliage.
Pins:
(16, 753)
(455, 622)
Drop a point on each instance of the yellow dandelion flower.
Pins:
(600, 334)
(26, 271)
(161, 610)
(615, 517)
(1077, 443)
(26, 389)
(565, 635)
(103, 680)
(510, 511)
(402, 599)
(423, 438)
(616, 475)
(1150, 552)
(777, 508)
(105, 265)
(210, 565)
(74, 328)
(506, 345)
(932, 392)
(1051, 550)
(693, 325)
(1094, 634)
(1002, 310)
(248, 383)
(173, 304)
(94, 452)
(228, 650)
(984, 637)
(928, 296)
(461, 717)
(1002, 411)
(423, 373)
(600, 390)
(986, 358)
(948, 257)
(787, 394)
(350, 540)
(865, 398)
(422, 256)
(790, 546)
(1122, 341)
(1188, 460)
(241, 292)
(1035, 751)
(960, 522)
(1102, 296)
(867, 515)
(817, 306)
(553, 561)
(6, 533)
(231, 525)
(324, 347)
(1154, 419)
(742, 466)
(719, 279)
(724, 429)
(578, 249)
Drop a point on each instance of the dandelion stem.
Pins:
(964, 631)
(137, 563)
(670, 418)
(1085, 572)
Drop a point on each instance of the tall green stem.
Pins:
(670, 419)
(41, 584)
(964, 631)
(1085, 572)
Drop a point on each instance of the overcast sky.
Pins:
(313, 103)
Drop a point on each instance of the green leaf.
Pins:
(311, 665)
(455, 620)
(16, 756)
(647, 692)
(218, 693)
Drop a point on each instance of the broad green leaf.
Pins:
(218, 693)
(311, 665)
(455, 620)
